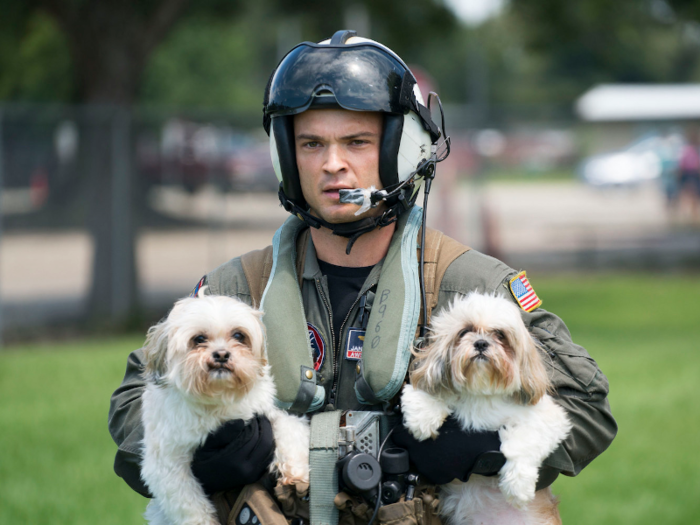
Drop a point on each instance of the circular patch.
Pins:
(318, 346)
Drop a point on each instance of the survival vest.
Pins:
(274, 278)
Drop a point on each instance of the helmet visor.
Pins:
(362, 77)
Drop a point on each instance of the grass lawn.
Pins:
(56, 464)
(57, 455)
(643, 331)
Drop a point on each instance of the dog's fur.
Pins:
(482, 366)
(205, 365)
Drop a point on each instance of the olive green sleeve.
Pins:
(581, 389)
(125, 424)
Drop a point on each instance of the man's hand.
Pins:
(234, 455)
(452, 455)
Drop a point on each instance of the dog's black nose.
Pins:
(481, 345)
(221, 356)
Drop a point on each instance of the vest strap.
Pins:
(440, 253)
(306, 392)
(323, 476)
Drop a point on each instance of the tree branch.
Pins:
(61, 11)
(160, 22)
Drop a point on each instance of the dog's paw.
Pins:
(518, 483)
(295, 476)
(290, 480)
(423, 414)
(292, 472)
(425, 431)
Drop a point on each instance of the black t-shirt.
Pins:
(344, 285)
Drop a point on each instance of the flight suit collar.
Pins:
(313, 271)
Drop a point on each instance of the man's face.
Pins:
(337, 149)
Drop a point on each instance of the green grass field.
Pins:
(56, 463)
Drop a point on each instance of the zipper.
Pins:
(336, 348)
(319, 289)
(336, 353)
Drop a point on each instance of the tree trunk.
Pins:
(110, 42)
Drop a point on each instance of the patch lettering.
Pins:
(353, 347)
(523, 292)
(318, 346)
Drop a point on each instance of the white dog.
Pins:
(205, 365)
(483, 367)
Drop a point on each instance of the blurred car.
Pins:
(192, 155)
(651, 157)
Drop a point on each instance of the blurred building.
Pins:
(617, 114)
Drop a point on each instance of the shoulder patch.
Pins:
(200, 284)
(523, 292)
(318, 346)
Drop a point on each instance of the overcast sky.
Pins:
(474, 12)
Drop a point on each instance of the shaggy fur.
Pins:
(205, 365)
(482, 366)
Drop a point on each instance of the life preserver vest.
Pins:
(273, 278)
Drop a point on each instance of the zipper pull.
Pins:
(363, 303)
(331, 399)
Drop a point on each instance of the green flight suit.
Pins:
(581, 388)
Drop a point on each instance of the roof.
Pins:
(625, 102)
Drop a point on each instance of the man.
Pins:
(348, 127)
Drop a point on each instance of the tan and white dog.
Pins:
(483, 367)
(205, 365)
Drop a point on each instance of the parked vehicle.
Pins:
(651, 157)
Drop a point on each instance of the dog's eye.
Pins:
(501, 335)
(465, 331)
(239, 336)
(199, 340)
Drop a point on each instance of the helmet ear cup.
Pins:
(389, 149)
(282, 131)
(414, 148)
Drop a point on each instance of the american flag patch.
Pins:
(523, 292)
(201, 283)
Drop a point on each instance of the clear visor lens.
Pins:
(363, 78)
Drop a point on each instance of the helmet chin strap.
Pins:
(397, 204)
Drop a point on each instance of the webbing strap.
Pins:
(323, 455)
(257, 266)
(440, 252)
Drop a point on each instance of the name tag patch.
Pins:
(353, 347)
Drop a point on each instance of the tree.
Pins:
(110, 42)
(109, 45)
(601, 41)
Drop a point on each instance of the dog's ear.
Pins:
(533, 374)
(431, 368)
(155, 351)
